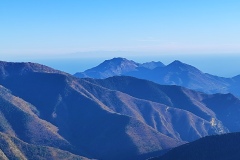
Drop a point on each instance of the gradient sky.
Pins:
(164, 30)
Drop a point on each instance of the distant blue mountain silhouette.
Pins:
(176, 73)
(117, 67)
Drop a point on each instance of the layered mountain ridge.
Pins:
(175, 73)
(114, 118)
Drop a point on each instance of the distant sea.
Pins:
(224, 65)
(220, 65)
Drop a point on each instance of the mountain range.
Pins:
(48, 113)
(176, 73)
(46, 107)
(117, 67)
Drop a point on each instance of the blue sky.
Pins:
(164, 30)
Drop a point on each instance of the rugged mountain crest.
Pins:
(10, 68)
(116, 67)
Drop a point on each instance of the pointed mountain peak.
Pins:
(177, 63)
(117, 63)
(118, 60)
(180, 66)
(108, 68)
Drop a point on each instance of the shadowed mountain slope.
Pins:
(163, 118)
(224, 107)
(20, 119)
(14, 148)
(218, 147)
